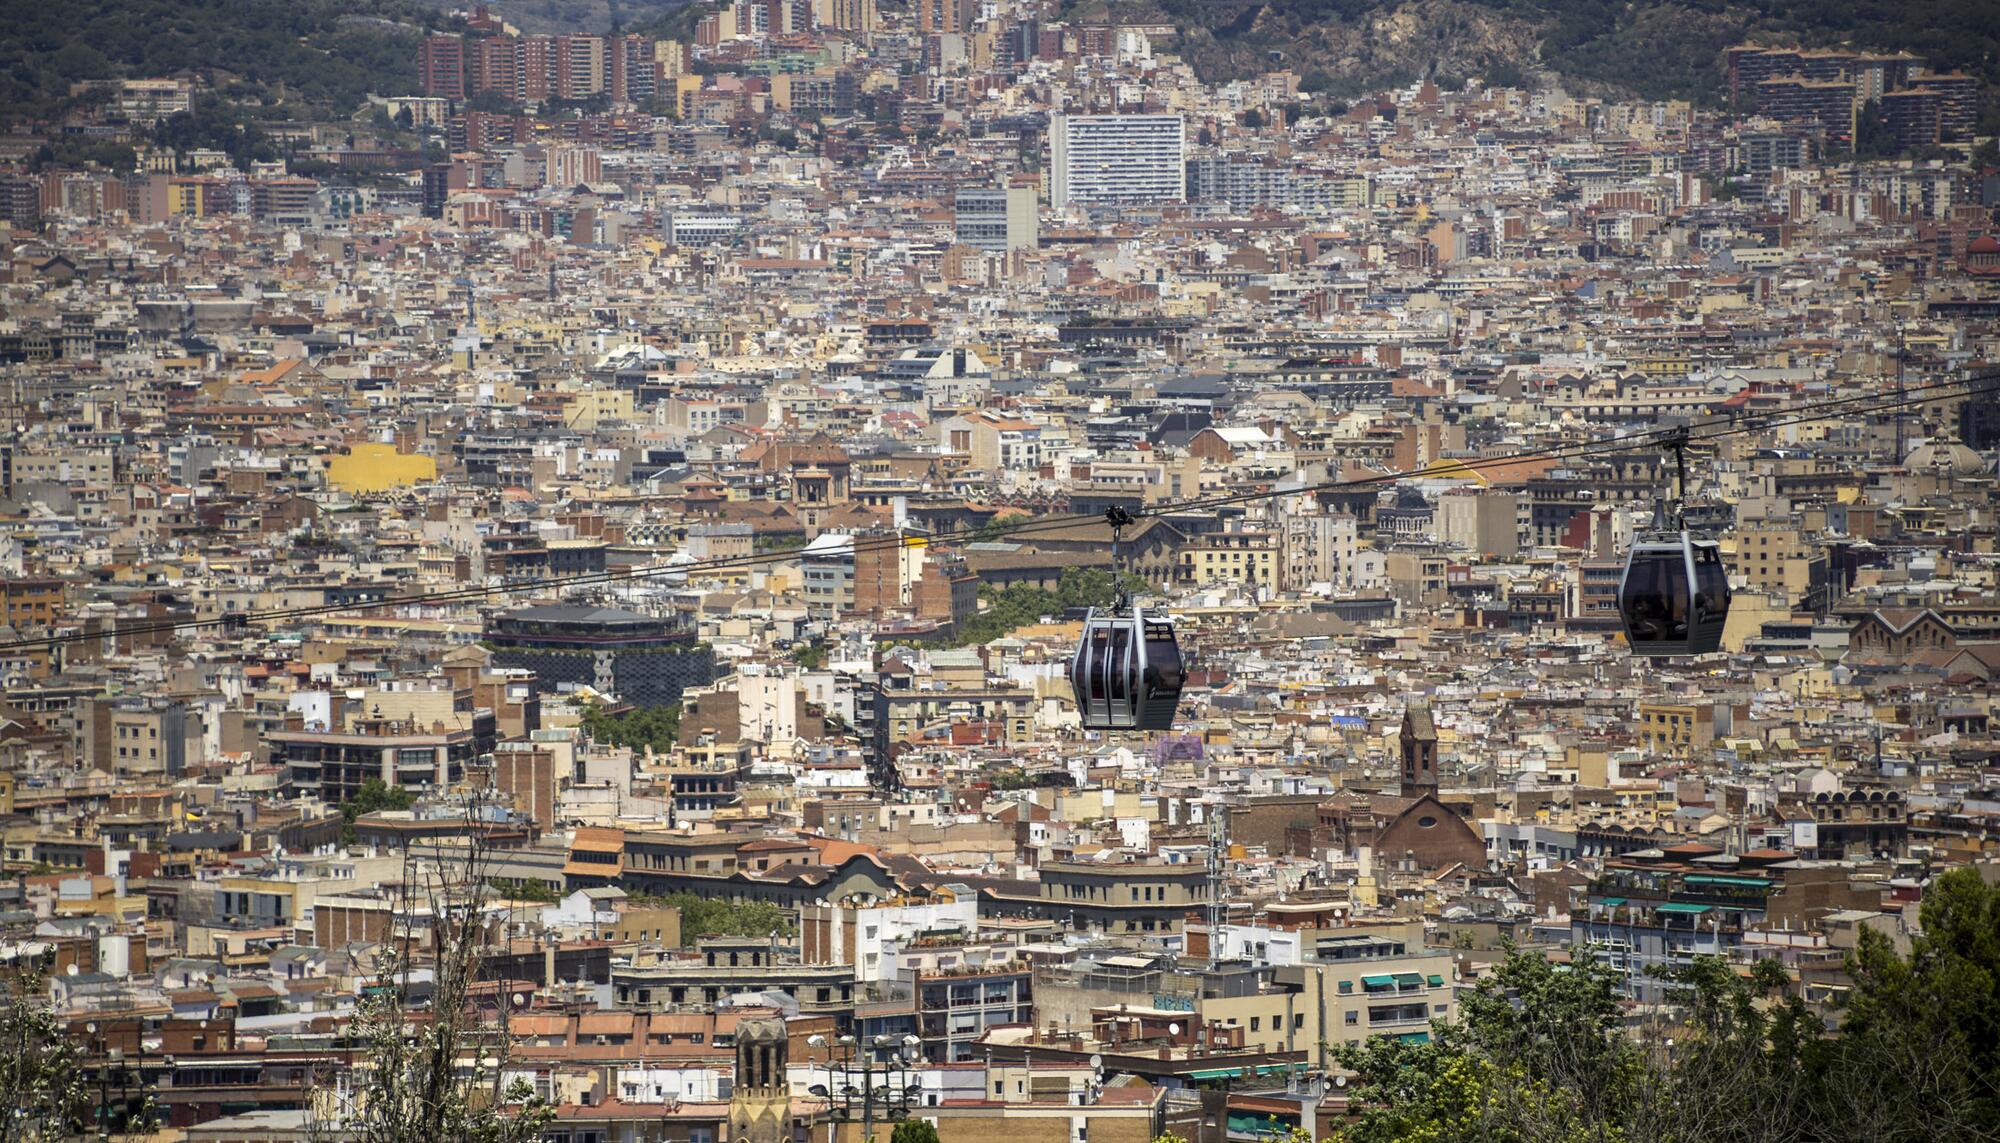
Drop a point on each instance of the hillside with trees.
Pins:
(581, 15)
(1669, 49)
(276, 54)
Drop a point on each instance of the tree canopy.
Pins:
(318, 52)
(656, 726)
(1022, 604)
(914, 1131)
(1541, 1052)
(374, 795)
(1659, 50)
(44, 1091)
(701, 917)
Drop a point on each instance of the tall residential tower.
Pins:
(1117, 160)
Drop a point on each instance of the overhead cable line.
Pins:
(1732, 425)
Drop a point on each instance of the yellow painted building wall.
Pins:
(1748, 612)
(378, 468)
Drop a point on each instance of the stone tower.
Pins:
(1420, 751)
(760, 1106)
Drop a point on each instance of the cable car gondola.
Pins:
(1674, 595)
(1127, 670)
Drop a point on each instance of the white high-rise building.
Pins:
(1117, 160)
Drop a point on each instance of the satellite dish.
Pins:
(1173, 1029)
(818, 1089)
(1340, 1081)
(1097, 1061)
(71, 969)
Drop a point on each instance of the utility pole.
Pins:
(1319, 988)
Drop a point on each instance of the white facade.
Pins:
(702, 229)
(875, 934)
(661, 1085)
(1117, 160)
(1260, 944)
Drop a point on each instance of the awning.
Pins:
(1378, 982)
(1725, 879)
(1410, 979)
(1436, 981)
(1415, 1037)
(1612, 902)
(1232, 1073)
(1679, 907)
(1256, 1123)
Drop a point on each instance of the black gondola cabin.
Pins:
(1674, 597)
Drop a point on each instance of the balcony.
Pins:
(1399, 984)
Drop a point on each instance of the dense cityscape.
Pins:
(833, 570)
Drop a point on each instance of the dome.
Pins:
(1945, 453)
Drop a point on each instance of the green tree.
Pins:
(491, 102)
(701, 916)
(656, 726)
(1538, 1055)
(524, 889)
(1918, 1056)
(914, 1131)
(1872, 137)
(1742, 1068)
(374, 795)
(212, 122)
(45, 1096)
(1540, 1051)
(1022, 604)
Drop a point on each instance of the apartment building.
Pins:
(1248, 559)
(1117, 160)
(999, 219)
